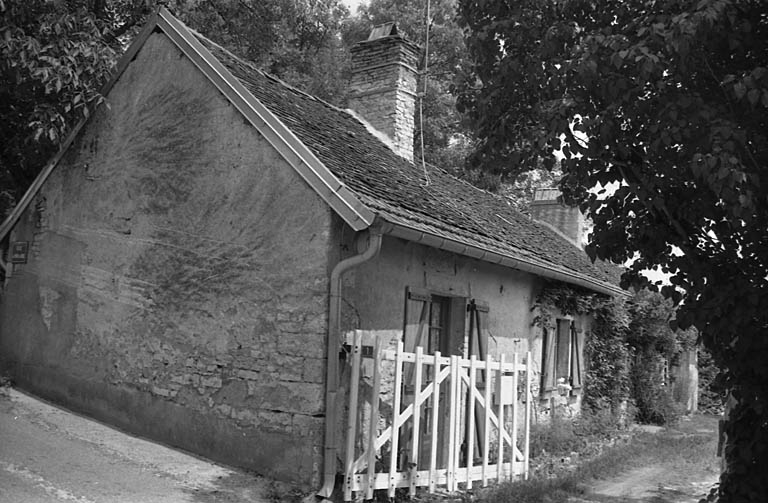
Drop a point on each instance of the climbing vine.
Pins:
(605, 348)
(628, 346)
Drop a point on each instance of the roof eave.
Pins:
(505, 259)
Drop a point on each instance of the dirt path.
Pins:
(49, 455)
(682, 469)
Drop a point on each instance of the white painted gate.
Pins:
(423, 442)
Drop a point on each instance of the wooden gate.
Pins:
(480, 436)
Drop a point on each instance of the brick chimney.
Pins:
(565, 220)
(383, 85)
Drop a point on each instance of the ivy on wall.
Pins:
(626, 348)
(606, 383)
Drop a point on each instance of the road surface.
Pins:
(48, 455)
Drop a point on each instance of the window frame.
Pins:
(553, 353)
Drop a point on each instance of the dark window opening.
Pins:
(561, 357)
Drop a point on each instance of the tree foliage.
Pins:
(659, 109)
(55, 55)
(655, 346)
(295, 40)
(53, 58)
(606, 382)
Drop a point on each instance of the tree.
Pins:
(654, 347)
(519, 192)
(55, 55)
(53, 58)
(294, 40)
(659, 109)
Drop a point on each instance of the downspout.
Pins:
(4, 267)
(333, 346)
(3, 264)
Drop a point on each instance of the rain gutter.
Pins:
(532, 266)
(333, 345)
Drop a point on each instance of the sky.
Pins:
(352, 4)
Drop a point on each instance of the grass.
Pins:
(672, 446)
(283, 493)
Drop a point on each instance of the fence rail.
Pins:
(446, 428)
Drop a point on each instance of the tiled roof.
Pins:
(398, 191)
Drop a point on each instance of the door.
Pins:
(436, 323)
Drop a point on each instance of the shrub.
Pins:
(557, 438)
(599, 424)
(712, 392)
(563, 437)
(652, 398)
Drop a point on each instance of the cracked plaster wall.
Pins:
(177, 281)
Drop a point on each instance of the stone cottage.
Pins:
(188, 265)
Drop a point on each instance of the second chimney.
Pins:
(383, 85)
(565, 220)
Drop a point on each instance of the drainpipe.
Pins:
(3, 264)
(333, 345)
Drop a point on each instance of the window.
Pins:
(439, 310)
(561, 358)
(563, 351)
(433, 321)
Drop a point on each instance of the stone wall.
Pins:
(566, 220)
(383, 88)
(175, 287)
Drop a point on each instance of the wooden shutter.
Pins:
(548, 360)
(416, 318)
(478, 346)
(563, 351)
(576, 363)
(478, 329)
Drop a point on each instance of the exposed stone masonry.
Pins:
(383, 88)
(545, 208)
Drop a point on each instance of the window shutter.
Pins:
(416, 319)
(415, 329)
(478, 329)
(478, 346)
(548, 361)
(576, 364)
(563, 350)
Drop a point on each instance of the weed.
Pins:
(280, 493)
(5, 384)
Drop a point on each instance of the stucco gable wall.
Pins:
(177, 282)
(375, 291)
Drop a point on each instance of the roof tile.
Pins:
(431, 200)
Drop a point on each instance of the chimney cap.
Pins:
(383, 30)
(546, 194)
